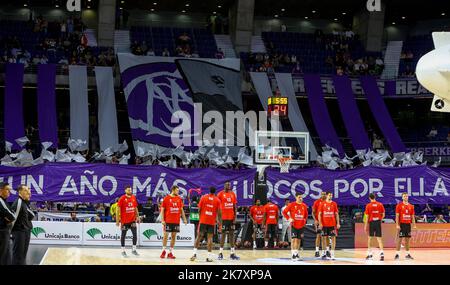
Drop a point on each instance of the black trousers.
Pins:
(21, 241)
(5, 256)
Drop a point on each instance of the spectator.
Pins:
(113, 209)
(408, 72)
(293, 59)
(97, 219)
(165, 52)
(440, 219)
(349, 34)
(73, 217)
(377, 143)
(433, 132)
(184, 39)
(297, 69)
(148, 211)
(220, 54)
(63, 29)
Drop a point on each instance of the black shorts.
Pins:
(328, 231)
(172, 228)
(272, 230)
(297, 233)
(257, 227)
(227, 225)
(375, 228)
(206, 229)
(405, 231)
(318, 231)
(126, 227)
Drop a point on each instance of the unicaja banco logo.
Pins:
(37, 230)
(149, 233)
(373, 5)
(93, 232)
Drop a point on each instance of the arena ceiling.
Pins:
(399, 11)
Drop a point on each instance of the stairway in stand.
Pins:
(224, 42)
(257, 45)
(91, 36)
(122, 41)
(392, 59)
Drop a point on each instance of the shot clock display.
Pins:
(277, 106)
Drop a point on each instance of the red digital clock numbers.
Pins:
(277, 106)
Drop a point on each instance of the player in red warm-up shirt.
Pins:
(127, 215)
(329, 223)
(404, 217)
(270, 221)
(315, 211)
(228, 207)
(172, 210)
(209, 209)
(374, 215)
(297, 214)
(256, 215)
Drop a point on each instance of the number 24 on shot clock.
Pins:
(277, 106)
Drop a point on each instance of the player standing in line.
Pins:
(127, 215)
(374, 215)
(329, 223)
(404, 217)
(270, 221)
(297, 214)
(209, 209)
(172, 210)
(228, 208)
(315, 211)
(256, 215)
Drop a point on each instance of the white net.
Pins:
(284, 163)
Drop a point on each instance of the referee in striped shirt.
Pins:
(6, 218)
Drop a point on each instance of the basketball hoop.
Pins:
(284, 163)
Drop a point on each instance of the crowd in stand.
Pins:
(339, 43)
(407, 58)
(64, 41)
(184, 48)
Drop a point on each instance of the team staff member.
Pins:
(297, 214)
(270, 220)
(209, 208)
(6, 218)
(315, 211)
(404, 217)
(22, 226)
(228, 207)
(172, 210)
(256, 215)
(374, 215)
(329, 223)
(127, 215)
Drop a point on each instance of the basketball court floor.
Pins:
(112, 256)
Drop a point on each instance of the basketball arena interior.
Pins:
(270, 132)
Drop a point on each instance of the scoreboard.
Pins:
(278, 106)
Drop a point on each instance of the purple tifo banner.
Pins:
(352, 187)
(13, 102)
(154, 90)
(102, 183)
(48, 130)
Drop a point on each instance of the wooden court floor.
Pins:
(112, 256)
